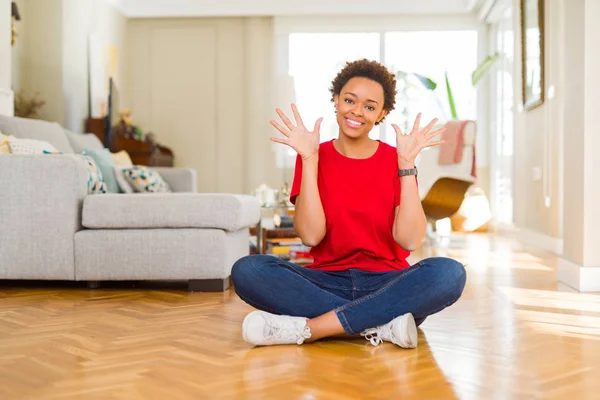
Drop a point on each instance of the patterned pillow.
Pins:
(30, 146)
(95, 182)
(124, 185)
(144, 179)
(106, 166)
(4, 147)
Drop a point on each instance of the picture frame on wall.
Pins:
(532, 53)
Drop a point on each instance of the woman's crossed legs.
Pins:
(303, 305)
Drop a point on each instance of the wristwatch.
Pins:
(405, 172)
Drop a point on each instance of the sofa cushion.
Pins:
(80, 141)
(229, 212)
(25, 128)
(157, 254)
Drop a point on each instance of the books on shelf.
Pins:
(290, 249)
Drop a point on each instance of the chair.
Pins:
(442, 188)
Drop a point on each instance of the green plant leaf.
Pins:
(427, 82)
(401, 74)
(450, 98)
(484, 67)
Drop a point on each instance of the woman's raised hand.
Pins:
(409, 146)
(305, 142)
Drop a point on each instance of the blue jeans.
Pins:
(360, 299)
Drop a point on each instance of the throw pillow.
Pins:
(4, 147)
(95, 182)
(81, 141)
(106, 165)
(30, 146)
(144, 179)
(122, 158)
(121, 180)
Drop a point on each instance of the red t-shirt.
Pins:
(359, 197)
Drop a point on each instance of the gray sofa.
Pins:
(51, 229)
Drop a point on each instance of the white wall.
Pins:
(6, 107)
(574, 124)
(579, 266)
(51, 54)
(39, 49)
(83, 18)
(17, 49)
(591, 196)
(203, 87)
(537, 136)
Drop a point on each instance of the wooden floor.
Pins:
(515, 334)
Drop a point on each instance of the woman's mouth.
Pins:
(353, 123)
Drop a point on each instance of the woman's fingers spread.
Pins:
(417, 124)
(299, 121)
(436, 143)
(285, 119)
(433, 134)
(318, 125)
(280, 128)
(430, 125)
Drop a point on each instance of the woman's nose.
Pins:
(357, 110)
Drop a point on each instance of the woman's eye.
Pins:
(348, 101)
(370, 108)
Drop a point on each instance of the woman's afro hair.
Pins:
(371, 70)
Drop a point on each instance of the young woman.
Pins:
(357, 206)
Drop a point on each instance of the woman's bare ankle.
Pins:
(325, 325)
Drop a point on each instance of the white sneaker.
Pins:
(261, 328)
(401, 330)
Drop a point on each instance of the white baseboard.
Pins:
(548, 243)
(583, 279)
(501, 227)
(7, 105)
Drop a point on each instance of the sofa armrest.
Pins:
(40, 211)
(179, 179)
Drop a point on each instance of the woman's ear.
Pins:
(382, 115)
(336, 99)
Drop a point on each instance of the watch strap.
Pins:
(405, 172)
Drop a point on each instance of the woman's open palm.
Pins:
(409, 146)
(305, 142)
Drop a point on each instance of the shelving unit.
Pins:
(282, 242)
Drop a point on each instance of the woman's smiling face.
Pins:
(359, 106)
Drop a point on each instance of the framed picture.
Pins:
(532, 57)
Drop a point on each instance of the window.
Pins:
(432, 54)
(313, 60)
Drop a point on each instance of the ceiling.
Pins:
(214, 8)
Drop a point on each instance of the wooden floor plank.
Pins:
(516, 333)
